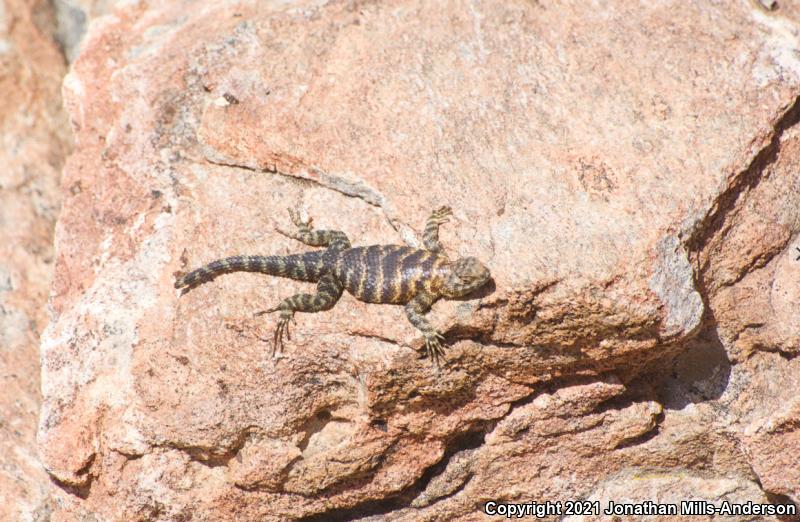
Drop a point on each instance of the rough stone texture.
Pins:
(628, 174)
(72, 19)
(35, 140)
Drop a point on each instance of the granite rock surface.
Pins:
(35, 142)
(629, 175)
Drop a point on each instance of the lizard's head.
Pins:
(467, 274)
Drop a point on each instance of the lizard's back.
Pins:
(389, 273)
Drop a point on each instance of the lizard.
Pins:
(385, 274)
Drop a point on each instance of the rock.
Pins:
(72, 20)
(635, 203)
(35, 142)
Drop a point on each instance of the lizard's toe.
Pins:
(434, 348)
(442, 214)
(280, 329)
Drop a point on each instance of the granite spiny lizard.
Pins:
(390, 274)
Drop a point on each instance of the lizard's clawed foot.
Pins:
(434, 348)
(294, 214)
(303, 227)
(281, 329)
(442, 215)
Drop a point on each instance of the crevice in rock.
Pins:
(617, 403)
(454, 492)
(325, 180)
(761, 348)
(210, 458)
(455, 480)
(470, 439)
(716, 219)
(266, 170)
(315, 424)
(83, 489)
(778, 498)
(129, 457)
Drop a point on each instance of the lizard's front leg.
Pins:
(329, 290)
(319, 238)
(431, 236)
(415, 311)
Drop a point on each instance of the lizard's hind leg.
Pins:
(329, 290)
(318, 238)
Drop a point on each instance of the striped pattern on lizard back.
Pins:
(390, 274)
(387, 274)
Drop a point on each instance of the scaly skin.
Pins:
(388, 274)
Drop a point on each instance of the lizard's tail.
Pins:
(303, 267)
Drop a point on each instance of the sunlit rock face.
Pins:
(627, 174)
